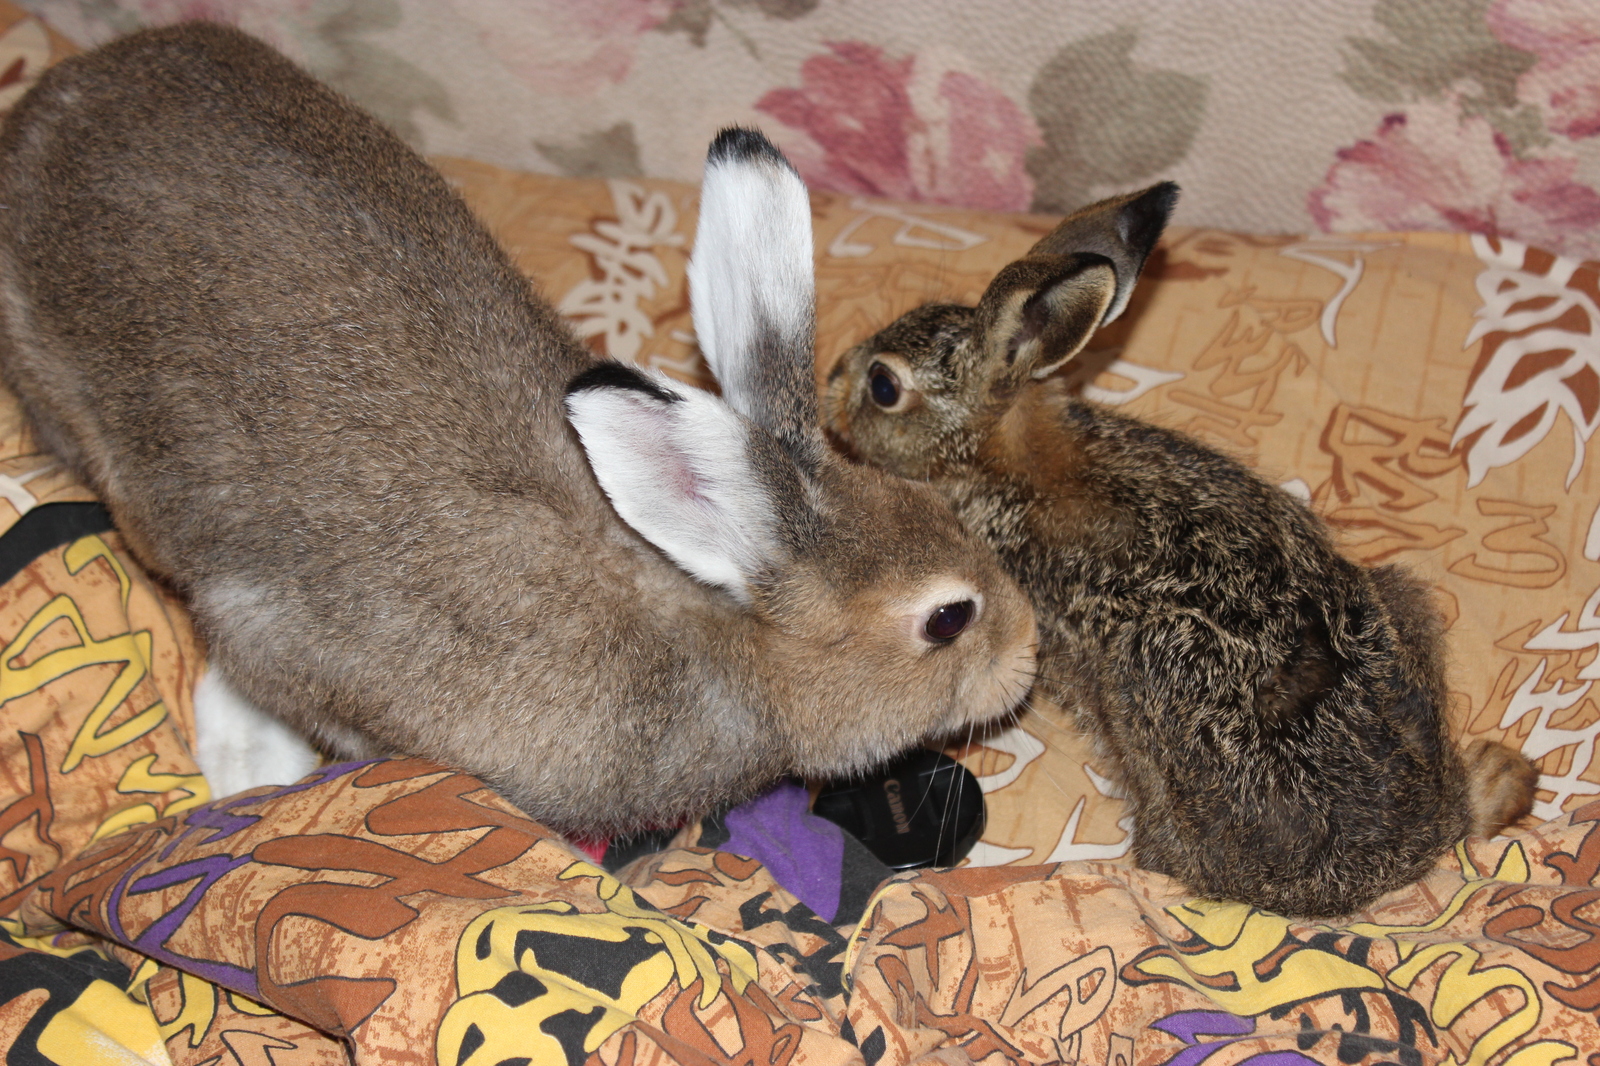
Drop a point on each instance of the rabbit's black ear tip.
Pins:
(614, 375)
(740, 144)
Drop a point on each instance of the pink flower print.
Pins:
(855, 110)
(1429, 168)
(1565, 35)
(978, 153)
(912, 128)
(571, 47)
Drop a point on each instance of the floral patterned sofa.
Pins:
(1467, 115)
(1382, 290)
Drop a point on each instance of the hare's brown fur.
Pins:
(1275, 712)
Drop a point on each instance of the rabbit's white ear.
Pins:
(676, 464)
(752, 289)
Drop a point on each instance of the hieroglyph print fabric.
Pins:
(404, 910)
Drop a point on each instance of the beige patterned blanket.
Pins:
(1434, 395)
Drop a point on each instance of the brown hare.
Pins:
(411, 513)
(1274, 712)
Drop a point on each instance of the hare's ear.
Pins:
(681, 468)
(1123, 229)
(752, 290)
(1041, 310)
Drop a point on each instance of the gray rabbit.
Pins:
(1275, 713)
(321, 403)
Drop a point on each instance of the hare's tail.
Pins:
(1500, 784)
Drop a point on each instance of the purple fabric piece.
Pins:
(804, 853)
(1190, 1025)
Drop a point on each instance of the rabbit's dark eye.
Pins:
(947, 622)
(883, 385)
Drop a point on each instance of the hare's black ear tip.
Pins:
(1163, 197)
(1144, 215)
(740, 144)
(614, 375)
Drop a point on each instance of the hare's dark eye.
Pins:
(883, 385)
(947, 622)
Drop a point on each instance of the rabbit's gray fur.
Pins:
(322, 404)
(1275, 712)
